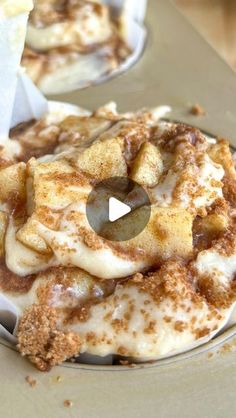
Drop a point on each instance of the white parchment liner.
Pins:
(75, 77)
(12, 35)
(20, 101)
(29, 102)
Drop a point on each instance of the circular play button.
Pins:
(118, 209)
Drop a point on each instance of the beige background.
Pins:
(216, 21)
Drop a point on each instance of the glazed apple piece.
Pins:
(147, 166)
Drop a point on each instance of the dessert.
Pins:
(73, 43)
(167, 290)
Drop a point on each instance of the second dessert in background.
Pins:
(71, 44)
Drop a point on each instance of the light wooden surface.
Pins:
(216, 21)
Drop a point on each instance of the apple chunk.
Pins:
(103, 159)
(147, 166)
(168, 234)
(12, 180)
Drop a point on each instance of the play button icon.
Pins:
(118, 209)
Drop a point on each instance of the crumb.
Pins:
(124, 362)
(197, 110)
(127, 363)
(138, 277)
(132, 365)
(41, 341)
(32, 382)
(68, 403)
(210, 355)
(58, 379)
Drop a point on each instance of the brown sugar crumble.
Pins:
(197, 110)
(42, 342)
(68, 403)
(31, 381)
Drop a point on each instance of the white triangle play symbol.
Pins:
(117, 209)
